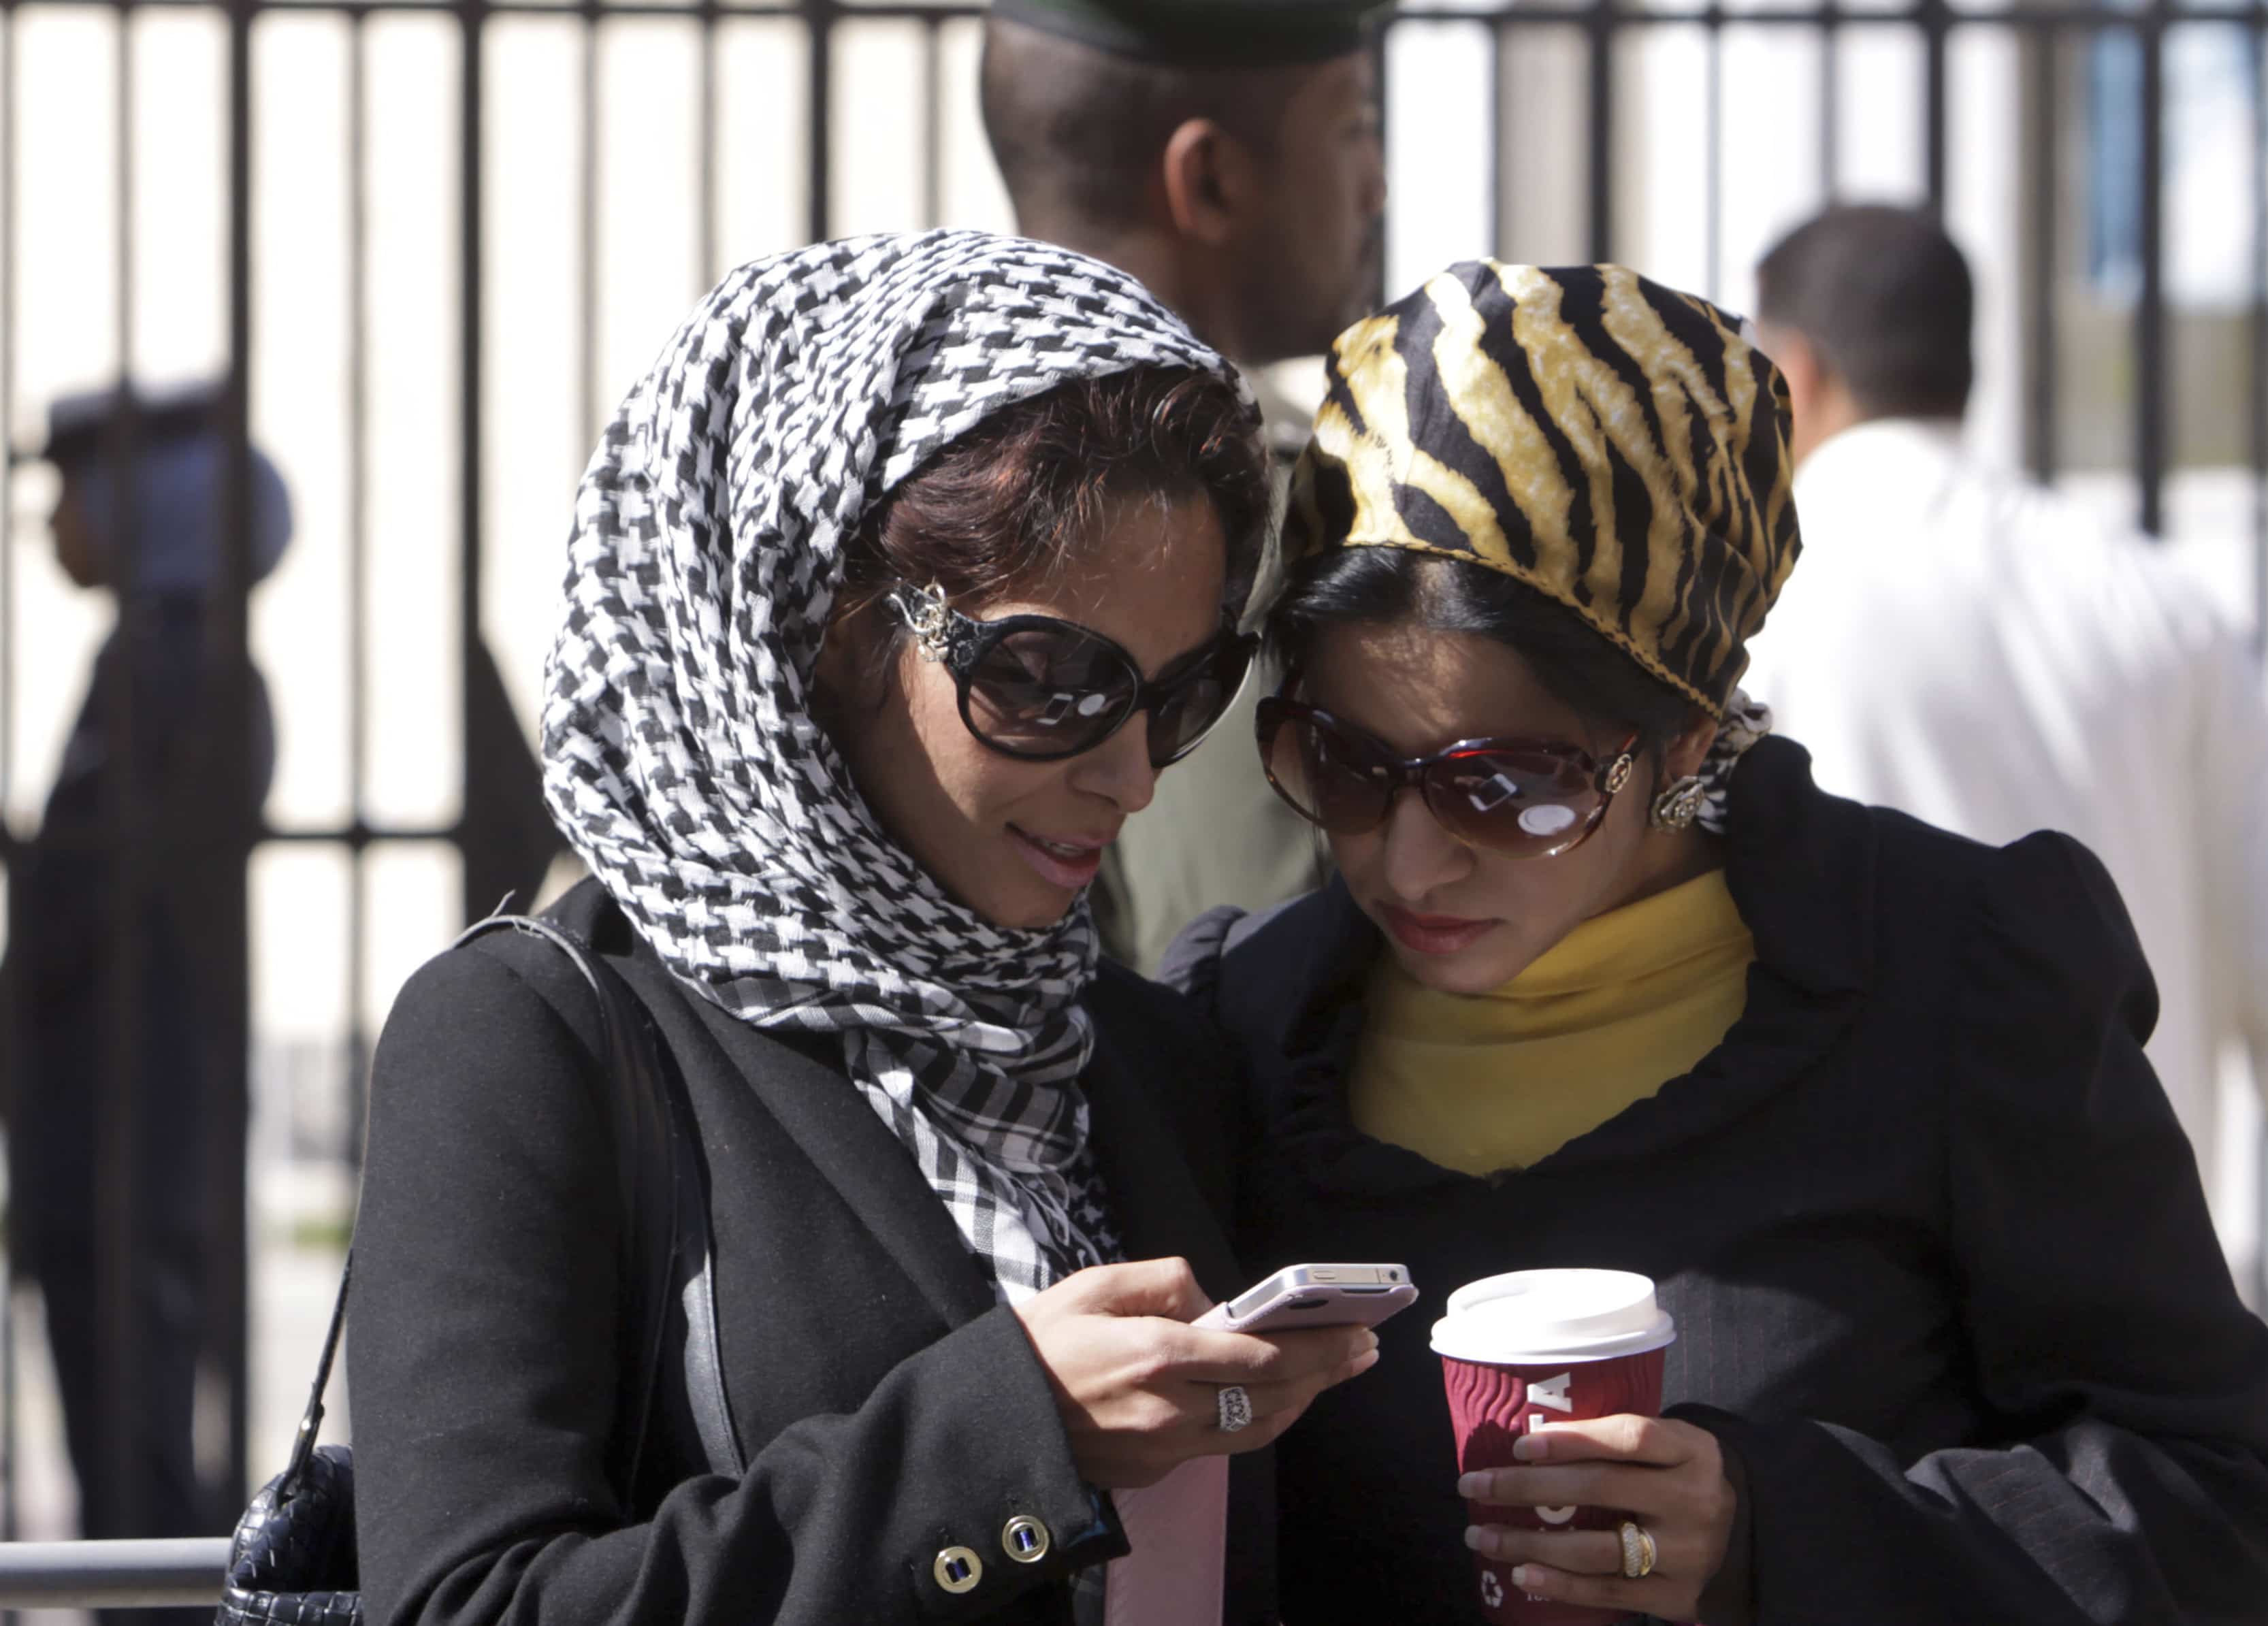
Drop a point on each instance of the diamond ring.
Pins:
(1235, 1408)
(1639, 1551)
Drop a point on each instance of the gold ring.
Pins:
(1638, 1551)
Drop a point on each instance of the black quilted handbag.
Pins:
(292, 1562)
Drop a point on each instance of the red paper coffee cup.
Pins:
(1539, 1347)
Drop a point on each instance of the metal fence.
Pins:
(2053, 42)
(112, 1574)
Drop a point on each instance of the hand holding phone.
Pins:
(1303, 1296)
(1138, 1387)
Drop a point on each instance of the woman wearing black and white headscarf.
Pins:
(891, 589)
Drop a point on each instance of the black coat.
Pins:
(1944, 1282)
(888, 1408)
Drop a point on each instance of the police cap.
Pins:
(1206, 33)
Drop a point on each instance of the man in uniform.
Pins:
(1226, 153)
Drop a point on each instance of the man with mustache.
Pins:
(1226, 152)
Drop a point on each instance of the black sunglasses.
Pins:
(1043, 690)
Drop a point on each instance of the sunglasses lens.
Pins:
(1180, 722)
(1328, 777)
(1529, 803)
(1049, 692)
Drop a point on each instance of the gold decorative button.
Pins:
(1025, 1539)
(958, 1570)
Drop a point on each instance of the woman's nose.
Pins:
(1119, 768)
(1420, 855)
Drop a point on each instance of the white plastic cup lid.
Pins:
(1528, 1317)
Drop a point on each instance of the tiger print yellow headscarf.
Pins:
(1612, 443)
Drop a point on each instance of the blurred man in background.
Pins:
(1968, 647)
(1226, 153)
(108, 968)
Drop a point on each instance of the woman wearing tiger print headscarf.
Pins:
(1604, 981)
(891, 589)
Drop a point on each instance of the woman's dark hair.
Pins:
(1388, 587)
(1011, 502)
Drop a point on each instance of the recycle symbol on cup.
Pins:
(1492, 1590)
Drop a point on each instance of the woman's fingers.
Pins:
(1626, 1438)
(1161, 1287)
(1667, 1475)
(1178, 1431)
(1679, 1551)
(1139, 1388)
(1188, 1422)
(1318, 1353)
(1635, 1487)
(1291, 1394)
(1611, 1460)
(1654, 1596)
(1579, 1552)
(1197, 1408)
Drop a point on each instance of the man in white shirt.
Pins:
(1971, 648)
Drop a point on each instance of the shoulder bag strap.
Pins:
(665, 1203)
(691, 1267)
(662, 1162)
(310, 1421)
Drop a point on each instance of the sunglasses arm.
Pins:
(941, 633)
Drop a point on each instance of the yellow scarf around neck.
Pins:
(1604, 1018)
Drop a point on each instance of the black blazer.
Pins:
(890, 1410)
(1944, 1282)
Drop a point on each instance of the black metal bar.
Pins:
(1499, 137)
(473, 15)
(1830, 103)
(358, 501)
(1713, 155)
(2080, 18)
(2043, 262)
(242, 788)
(706, 270)
(932, 156)
(2259, 336)
(1935, 23)
(2083, 19)
(2258, 87)
(116, 1505)
(173, 844)
(1602, 20)
(819, 20)
(2151, 356)
(1378, 88)
(586, 248)
(10, 1013)
(1913, 14)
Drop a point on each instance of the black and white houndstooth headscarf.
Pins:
(680, 756)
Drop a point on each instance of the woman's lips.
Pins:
(1057, 861)
(1434, 934)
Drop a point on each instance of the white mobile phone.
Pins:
(1315, 1296)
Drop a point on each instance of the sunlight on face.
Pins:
(1017, 841)
(1460, 918)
